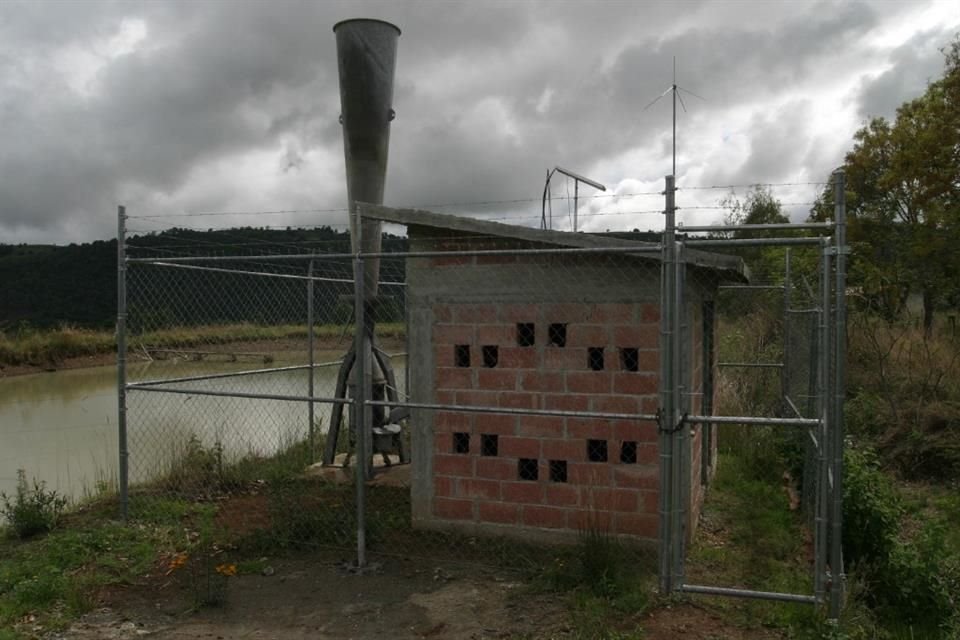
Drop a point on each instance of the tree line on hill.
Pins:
(46, 286)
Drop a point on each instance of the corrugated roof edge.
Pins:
(731, 266)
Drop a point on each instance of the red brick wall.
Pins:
(616, 495)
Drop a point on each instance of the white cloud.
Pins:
(80, 63)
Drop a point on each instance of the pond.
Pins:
(61, 427)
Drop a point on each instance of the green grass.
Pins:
(752, 541)
(607, 582)
(44, 347)
(56, 578)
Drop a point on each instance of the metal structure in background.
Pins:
(547, 222)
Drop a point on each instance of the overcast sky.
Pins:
(190, 107)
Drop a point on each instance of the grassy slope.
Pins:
(52, 346)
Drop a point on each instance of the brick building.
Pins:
(545, 332)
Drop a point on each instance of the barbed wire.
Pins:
(752, 184)
(634, 194)
(190, 214)
(721, 207)
(346, 225)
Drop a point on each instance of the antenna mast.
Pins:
(675, 90)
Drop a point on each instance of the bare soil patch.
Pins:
(315, 597)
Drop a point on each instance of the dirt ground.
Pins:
(310, 597)
(317, 598)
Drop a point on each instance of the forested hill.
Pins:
(46, 286)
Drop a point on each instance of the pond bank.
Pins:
(68, 348)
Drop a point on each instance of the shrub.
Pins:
(871, 509)
(31, 510)
(912, 580)
(918, 583)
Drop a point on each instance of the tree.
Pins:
(758, 207)
(903, 199)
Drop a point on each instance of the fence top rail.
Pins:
(650, 249)
(750, 286)
(262, 274)
(512, 411)
(232, 374)
(169, 261)
(777, 226)
(720, 243)
(773, 422)
(255, 258)
(238, 394)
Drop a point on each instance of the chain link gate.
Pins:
(806, 364)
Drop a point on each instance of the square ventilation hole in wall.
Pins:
(557, 334)
(597, 450)
(628, 452)
(630, 358)
(526, 334)
(491, 354)
(489, 444)
(558, 471)
(461, 443)
(528, 469)
(461, 355)
(595, 358)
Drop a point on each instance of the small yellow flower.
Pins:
(177, 561)
(226, 569)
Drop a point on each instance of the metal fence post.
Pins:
(311, 428)
(667, 400)
(823, 434)
(785, 358)
(122, 471)
(360, 394)
(839, 391)
(682, 458)
(665, 438)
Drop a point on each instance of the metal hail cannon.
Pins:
(366, 58)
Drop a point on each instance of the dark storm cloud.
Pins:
(488, 96)
(156, 113)
(602, 114)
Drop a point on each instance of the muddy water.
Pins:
(61, 427)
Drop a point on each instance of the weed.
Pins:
(31, 511)
(609, 582)
(203, 564)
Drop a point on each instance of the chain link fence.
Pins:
(495, 391)
(523, 383)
